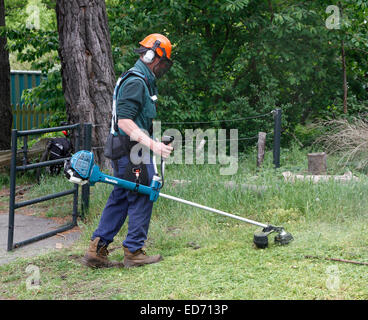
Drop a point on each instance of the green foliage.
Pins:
(34, 40)
(241, 58)
(48, 95)
(32, 32)
(36, 46)
(356, 109)
(232, 59)
(307, 134)
(38, 13)
(55, 119)
(40, 49)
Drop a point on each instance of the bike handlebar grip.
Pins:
(167, 139)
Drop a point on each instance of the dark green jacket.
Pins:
(134, 99)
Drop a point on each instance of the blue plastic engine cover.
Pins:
(82, 163)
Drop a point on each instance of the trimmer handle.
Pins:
(167, 139)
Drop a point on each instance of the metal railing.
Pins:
(14, 169)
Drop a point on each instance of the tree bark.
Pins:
(87, 67)
(6, 116)
(343, 60)
(271, 10)
(345, 82)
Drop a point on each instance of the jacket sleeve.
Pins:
(130, 99)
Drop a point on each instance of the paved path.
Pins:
(26, 227)
(28, 224)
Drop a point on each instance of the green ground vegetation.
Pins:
(207, 256)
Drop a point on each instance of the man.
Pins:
(135, 109)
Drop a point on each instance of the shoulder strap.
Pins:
(129, 73)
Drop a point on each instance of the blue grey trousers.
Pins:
(121, 204)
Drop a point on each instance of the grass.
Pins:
(207, 256)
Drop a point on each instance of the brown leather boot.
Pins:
(139, 258)
(96, 256)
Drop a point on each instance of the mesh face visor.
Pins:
(163, 66)
(164, 63)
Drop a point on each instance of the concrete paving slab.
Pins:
(27, 226)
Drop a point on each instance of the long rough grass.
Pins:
(208, 256)
(348, 139)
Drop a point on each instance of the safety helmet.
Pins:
(150, 42)
(154, 45)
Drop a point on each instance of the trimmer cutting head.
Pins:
(283, 237)
(260, 238)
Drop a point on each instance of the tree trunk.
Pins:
(6, 116)
(343, 60)
(87, 67)
(345, 82)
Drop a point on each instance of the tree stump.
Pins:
(261, 148)
(317, 163)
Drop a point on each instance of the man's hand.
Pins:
(162, 149)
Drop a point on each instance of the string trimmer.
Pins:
(81, 169)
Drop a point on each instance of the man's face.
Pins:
(160, 66)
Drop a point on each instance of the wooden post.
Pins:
(343, 60)
(277, 138)
(18, 113)
(261, 148)
(317, 163)
(29, 115)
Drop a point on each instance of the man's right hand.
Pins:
(162, 149)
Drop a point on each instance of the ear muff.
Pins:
(149, 56)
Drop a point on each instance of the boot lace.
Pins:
(103, 251)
